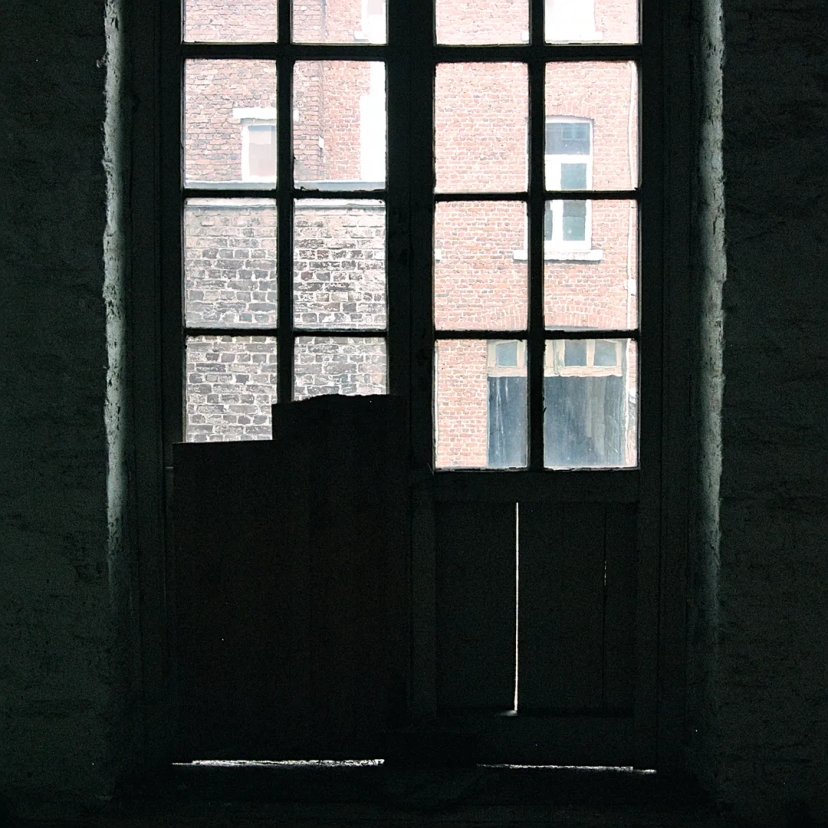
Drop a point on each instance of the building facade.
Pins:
(480, 272)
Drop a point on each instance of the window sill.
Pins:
(594, 255)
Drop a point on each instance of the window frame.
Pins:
(553, 163)
(665, 338)
(246, 175)
(411, 56)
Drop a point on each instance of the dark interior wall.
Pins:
(65, 583)
(771, 714)
(759, 562)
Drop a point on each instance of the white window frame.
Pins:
(554, 364)
(245, 154)
(554, 360)
(553, 164)
(373, 26)
(249, 117)
(571, 21)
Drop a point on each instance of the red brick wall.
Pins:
(480, 270)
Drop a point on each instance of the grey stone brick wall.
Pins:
(231, 281)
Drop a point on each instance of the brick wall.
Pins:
(480, 144)
(231, 281)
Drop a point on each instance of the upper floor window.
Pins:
(258, 151)
(571, 21)
(567, 222)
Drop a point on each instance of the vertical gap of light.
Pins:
(284, 206)
(604, 620)
(517, 603)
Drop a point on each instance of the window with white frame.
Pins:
(258, 143)
(570, 21)
(258, 151)
(373, 22)
(588, 401)
(568, 222)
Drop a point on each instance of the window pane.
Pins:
(339, 365)
(590, 394)
(339, 265)
(587, 21)
(231, 384)
(476, 21)
(261, 151)
(480, 404)
(225, 102)
(481, 112)
(354, 21)
(591, 264)
(480, 272)
(339, 125)
(592, 119)
(226, 22)
(230, 263)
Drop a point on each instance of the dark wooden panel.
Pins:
(552, 740)
(475, 605)
(619, 613)
(291, 584)
(561, 607)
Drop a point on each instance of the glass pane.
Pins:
(590, 392)
(343, 21)
(230, 263)
(480, 272)
(252, 21)
(480, 112)
(591, 126)
(591, 264)
(339, 125)
(231, 384)
(478, 21)
(339, 265)
(589, 21)
(229, 123)
(339, 365)
(480, 406)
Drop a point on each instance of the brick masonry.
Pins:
(480, 269)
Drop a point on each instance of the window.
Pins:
(567, 223)
(289, 286)
(571, 21)
(259, 151)
(373, 22)
(588, 399)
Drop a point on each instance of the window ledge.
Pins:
(594, 255)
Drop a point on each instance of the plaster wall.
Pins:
(771, 715)
(65, 583)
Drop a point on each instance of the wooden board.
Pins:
(475, 606)
(561, 593)
(619, 614)
(291, 584)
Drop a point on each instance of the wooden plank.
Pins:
(291, 584)
(552, 740)
(561, 596)
(593, 486)
(475, 606)
(619, 608)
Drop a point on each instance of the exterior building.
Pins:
(480, 271)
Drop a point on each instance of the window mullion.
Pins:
(420, 40)
(537, 136)
(284, 203)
